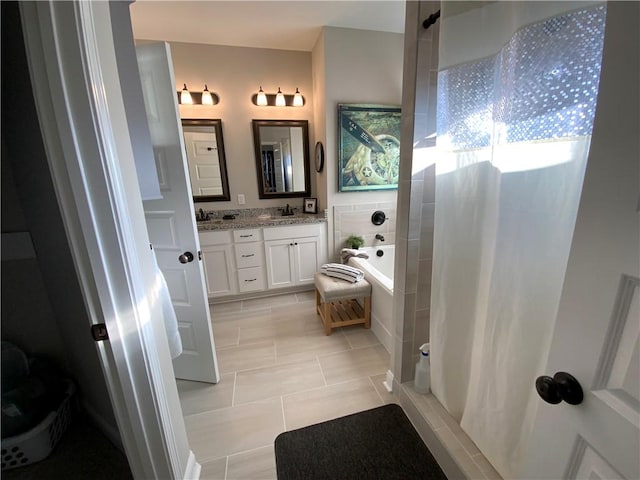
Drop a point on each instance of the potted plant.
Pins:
(355, 241)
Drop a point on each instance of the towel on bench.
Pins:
(344, 272)
(347, 253)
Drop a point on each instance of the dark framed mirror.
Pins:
(282, 158)
(204, 144)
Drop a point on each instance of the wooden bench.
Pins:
(337, 304)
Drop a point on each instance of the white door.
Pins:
(171, 220)
(204, 163)
(597, 333)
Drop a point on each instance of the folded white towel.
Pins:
(344, 272)
(168, 312)
(347, 253)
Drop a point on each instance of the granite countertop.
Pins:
(258, 221)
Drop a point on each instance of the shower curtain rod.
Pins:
(433, 18)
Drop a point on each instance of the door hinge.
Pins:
(99, 332)
(199, 254)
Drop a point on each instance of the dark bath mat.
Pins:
(379, 443)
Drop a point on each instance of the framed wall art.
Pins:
(368, 147)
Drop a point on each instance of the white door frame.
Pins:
(84, 127)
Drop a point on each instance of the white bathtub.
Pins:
(378, 270)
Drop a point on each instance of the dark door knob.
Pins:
(186, 257)
(562, 386)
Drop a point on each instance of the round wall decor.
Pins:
(319, 157)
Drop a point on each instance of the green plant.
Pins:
(355, 241)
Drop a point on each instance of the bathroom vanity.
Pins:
(249, 257)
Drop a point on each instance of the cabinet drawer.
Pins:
(291, 231)
(249, 255)
(247, 235)
(251, 279)
(218, 237)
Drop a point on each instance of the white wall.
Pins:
(353, 66)
(235, 74)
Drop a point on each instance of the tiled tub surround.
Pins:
(356, 220)
(255, 217)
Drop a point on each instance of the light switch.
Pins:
(241, 199)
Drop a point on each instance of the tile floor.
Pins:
(278, 372)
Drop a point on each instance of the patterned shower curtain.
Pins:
(517, 91)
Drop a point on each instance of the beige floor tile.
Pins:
(314, 406)
(297, 348)
(386, 396)
(240, 316)
(221, 308)
(261, 383)
(350, 364)
(233, 430)
(308, 306)
(258, 303)
(358, 337)
(198, 397)
(259, 464)
(214, 469)
(225, 334)
(309, 296)
(246, 357)
(276, 326)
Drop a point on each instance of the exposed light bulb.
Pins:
(262, 97)
(207, 99)
(280, 101)
(185, 96)
(297, 99)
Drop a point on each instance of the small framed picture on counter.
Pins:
(310, 205)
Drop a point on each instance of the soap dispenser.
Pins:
(422, 379)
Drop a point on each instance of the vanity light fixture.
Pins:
(262, 98)
(185, 96)
(297, 99)
(279, 99)
(206, 97)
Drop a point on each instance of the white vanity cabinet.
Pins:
(249, 259)
(293, 254)
(219, 263)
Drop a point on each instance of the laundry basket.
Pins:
(37, 443)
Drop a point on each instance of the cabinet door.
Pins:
(306, 259)
(280, 271)
(219, 270)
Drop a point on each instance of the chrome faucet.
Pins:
(379, 237)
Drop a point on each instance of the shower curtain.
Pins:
(517, 90)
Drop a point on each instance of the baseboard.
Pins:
(193, 468)
(108, 430)
(262, 294)
(388, 382)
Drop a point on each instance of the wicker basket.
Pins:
(38, 443)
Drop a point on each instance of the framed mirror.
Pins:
(282, 158)
(206, 160)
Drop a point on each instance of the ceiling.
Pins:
(283, 25)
